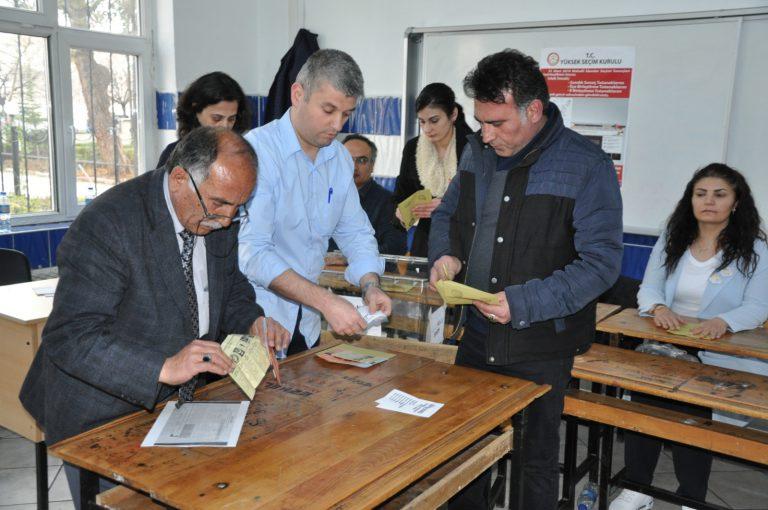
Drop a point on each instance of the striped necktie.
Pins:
(187, 390)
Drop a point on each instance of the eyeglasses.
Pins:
(240, 215)
(361, 160)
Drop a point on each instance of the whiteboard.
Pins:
(698, 95)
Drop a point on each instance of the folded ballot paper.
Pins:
(686, 330)
(346, 354)
(251, 361)
(405, 207)
(455, 293)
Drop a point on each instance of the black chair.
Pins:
(14, 267)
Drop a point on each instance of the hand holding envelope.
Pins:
(455, 293)
(405, 208)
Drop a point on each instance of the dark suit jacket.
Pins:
(120, 310)
(279, 98)
(377, 204)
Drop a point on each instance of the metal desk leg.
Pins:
(41, 473)
(519, 424)
(89, 487)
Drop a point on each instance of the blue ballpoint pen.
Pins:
(330, 193)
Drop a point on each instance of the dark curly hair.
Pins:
(736, 240)
(440, 95)
(507, 72)
(210, 89)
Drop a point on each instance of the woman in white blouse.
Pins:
(712, 264)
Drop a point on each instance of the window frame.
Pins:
(60, 41)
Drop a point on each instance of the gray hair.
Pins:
(198, 150)
(335, 67)
(355, 136)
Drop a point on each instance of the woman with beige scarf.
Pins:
(430, 160)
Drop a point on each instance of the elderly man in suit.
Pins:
(149, 283)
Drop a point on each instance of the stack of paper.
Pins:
(251, 361)
(402, 402)
(455, 293)
(371, 319)
(423, 196)
(346, 354)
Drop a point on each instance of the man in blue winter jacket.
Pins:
(533, 216)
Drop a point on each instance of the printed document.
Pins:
(198, 423)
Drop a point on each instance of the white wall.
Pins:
(372, 30)
(247, 38)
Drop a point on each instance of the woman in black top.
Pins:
(213, 100)
(430, 160)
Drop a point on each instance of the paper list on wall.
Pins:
(402, 402)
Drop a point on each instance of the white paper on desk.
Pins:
(402, 402)
(202, 423)
(45, 291)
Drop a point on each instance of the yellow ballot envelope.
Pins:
(686, 330)
(251, 361)
(405, 207)
(455, 293)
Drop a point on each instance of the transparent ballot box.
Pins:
(406, 281)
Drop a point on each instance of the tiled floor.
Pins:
(732, 484)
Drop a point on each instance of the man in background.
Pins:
(375, 200)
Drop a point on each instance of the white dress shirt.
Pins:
(199, 264)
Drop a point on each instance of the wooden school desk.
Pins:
(22, 317)
(752, 343)
(317, 441)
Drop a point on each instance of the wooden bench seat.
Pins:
(123, 498)
(675, 379)
(718, 437)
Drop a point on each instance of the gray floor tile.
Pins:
(5, 433)
(741, 489)
(59, 488)
(721, 464)
(18, 485)
(18, 452)
(54, 505)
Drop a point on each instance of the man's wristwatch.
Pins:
(656, 307)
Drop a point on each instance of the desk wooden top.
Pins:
(317, 441)
(604, 310)
(745, 343)
(706, 385)
(19, 303)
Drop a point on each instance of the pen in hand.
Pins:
(271, 353)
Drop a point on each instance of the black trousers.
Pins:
(298, 342)
(542, 440)
(692, 465)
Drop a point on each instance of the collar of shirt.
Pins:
(291, 144)
(177, 226)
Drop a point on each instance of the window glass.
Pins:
(25, 5)
(105, 109)
(112, 16)
(26, 171)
